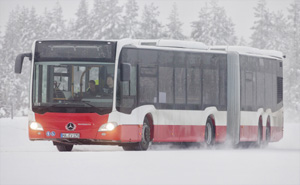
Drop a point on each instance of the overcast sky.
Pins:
(240, 11)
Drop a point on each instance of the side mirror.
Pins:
(125, 72)
(19, 61)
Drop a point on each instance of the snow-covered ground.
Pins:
(26, 162)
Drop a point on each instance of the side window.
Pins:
(260, 77)
(223, 81)
(180, 78)
(127, 91)
(148, 73)
(268, 83)
(249, 91)
(166, 77)
(194, 79)
(148, 84)
(148, 57)
(210, 80)
(248, 83)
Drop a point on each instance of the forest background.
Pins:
(110, 19)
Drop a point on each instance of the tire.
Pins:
(64, 148)
(268, 133)
(259, 136)
(129, 147)
(145, 141)
(209, 133)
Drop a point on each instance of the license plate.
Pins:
(70, 135)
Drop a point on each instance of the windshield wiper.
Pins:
(87, 103)
(62, 105)
(73, 104)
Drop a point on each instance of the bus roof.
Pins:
(250, 51)
(163, 44)
(175, 44)
(196, 46)
(192, 45)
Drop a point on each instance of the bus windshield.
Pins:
(73, 87)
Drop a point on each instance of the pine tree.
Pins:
(174, 27)
(213, 27)
(262, 26)
(201, 27)
(2, 75)
(278, 39)
(292, 63)
(97, 19)
(131, 19)
(150, 26)
(106, 20)
(59, 26)
(53, 24)
(112, 20)
(242, 42)
(81, 28)
(13, 86)
(294, 25)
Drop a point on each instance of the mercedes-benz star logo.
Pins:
(70, 126)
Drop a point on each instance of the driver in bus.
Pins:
(108, 87)
(57, 93)
(92, 90)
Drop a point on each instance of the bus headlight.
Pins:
(36, 126)
(108, 127)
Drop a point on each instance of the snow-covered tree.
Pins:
(292, 63)
(106, 20)
(97, 19)
(262, 28)
(81, 27)
(201, 27)
(53, 23)
(294, 25)
(150, 27)
(17, 39)
(131, 19)
(2, 75)
(112, 20)
(213, 26)
(242, 42)
(279, 38)
(174, 27)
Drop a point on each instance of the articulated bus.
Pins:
(133, 93)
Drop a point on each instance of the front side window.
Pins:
(81, 87)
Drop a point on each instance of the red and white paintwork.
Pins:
(167, 125)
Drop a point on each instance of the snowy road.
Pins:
(26, 162)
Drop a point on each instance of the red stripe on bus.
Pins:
(87, 124)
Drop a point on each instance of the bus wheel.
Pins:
(209, 133)
(146, 139)
(129, 147)
(145, 142)
(259, 136)
(64, 148)
(268, 133)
